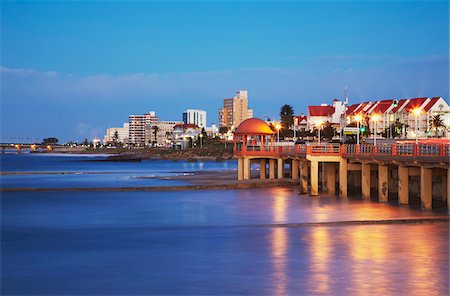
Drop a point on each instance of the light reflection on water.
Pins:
(280, 243)
(215, 242)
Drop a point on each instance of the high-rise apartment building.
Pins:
(235, 110)
(197, 117)
(137, 125)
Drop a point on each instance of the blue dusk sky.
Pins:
(72, 69)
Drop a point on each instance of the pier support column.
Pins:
(304, 177)
(425, 188)
(271, 168)
(403, 179)
(383, 183)
(314, 178)
(330, 171)
(294, 173)
(262, 169)
(280, 168)
(448, 188)
(343, 173)
(444, 185)
(365, 180)
(247, 170)
(240, 168)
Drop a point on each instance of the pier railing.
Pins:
(401, 152)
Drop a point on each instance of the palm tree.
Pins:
(155, 129)
(436, 123)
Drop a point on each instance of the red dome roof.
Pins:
(253, 126)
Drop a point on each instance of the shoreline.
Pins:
(208, 153)
(221, 186)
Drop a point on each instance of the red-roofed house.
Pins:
(389, 113)
(301, 122)
(326, 113)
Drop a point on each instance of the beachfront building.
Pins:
(318, 115)
(212, 131)
(413, 114)
(160, 133)
(194, 116)
(235, 110)
(184, 135)
(122, 133)
(137, 124)
(300, 124)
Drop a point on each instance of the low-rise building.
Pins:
(184, 134)
(122, 134)
(160, 133)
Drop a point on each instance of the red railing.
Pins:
(398, 152)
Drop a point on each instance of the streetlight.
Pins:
(417, 113)
(319, 126)
(201, 140)
(375, 119)
(278, 127)
(358, 119)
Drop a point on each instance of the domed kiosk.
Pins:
(253, 139)
(252, 136)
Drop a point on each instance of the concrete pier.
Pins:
(294, 169)
(425, 188)
(343, 173)
(314, 178)
(383, 183)
(398, 170)
(262, 168)
(365, 180)
(280, 168)
(247, 169)
(330, 172)
(271, 168)
(403, 182)
(304, 177)
(240, 168)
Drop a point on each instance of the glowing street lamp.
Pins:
(278, 127)
(201, 140)
(417, 113)
(375, 119)
(319, 126)
(358, 119)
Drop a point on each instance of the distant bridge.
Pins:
(32, 146)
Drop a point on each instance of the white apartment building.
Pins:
(193, 116)
(122, 132)
(164, 132)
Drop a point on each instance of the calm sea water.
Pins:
(212, 242)
(90, 171)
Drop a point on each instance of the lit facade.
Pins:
(235, 110)
(193, 116)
